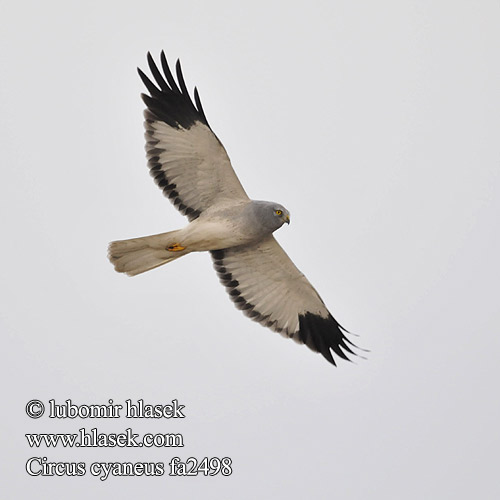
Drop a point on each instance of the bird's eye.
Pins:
(278, 212)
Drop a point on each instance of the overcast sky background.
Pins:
(377, 125)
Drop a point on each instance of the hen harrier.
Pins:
(191, 166)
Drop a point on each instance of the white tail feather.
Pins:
(138, 255)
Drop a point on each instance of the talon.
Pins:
(175, 247)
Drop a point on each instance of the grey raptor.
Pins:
(191, 166)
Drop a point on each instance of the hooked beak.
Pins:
(287, 219)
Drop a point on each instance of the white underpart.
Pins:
(196, 162)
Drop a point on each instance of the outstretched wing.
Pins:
(185, 157)
(264, 283)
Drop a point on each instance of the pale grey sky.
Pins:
(377, 125)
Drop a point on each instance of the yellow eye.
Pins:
(278, 212)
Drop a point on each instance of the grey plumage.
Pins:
(190, 165)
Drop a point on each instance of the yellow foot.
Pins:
(175, 248)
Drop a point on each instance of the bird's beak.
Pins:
(287, 219)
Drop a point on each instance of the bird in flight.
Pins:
(190, 165)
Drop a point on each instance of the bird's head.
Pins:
(282, 214)
(270, 215)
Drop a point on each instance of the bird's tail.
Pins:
(138, 255)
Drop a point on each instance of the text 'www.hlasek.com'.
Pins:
(90, 437)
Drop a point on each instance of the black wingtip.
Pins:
(199, 107)
(180, 77)
(170, 100)
(325, 335)
(168, 74)
(152, 88)
(156, 74)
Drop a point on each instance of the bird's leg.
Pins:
(175, 247)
